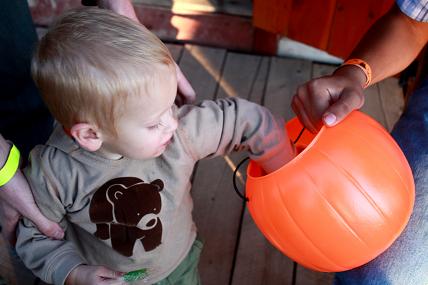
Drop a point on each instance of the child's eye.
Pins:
(154, 127)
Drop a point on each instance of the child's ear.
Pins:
(87, 136)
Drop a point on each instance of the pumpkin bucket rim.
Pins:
(253, 165)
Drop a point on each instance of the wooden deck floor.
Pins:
(235, 252)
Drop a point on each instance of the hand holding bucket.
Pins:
(341, 201)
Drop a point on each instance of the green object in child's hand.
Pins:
(135, 275)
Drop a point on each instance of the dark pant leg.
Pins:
(406, 261)
(24, 118)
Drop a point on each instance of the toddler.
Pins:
(116, 171)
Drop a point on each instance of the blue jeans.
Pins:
(406, 261)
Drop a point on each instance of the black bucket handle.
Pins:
(234, 179)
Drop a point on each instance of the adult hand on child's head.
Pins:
(328, 100)
(121, 7)
(186, 94)
(94, 275)
(16, 199)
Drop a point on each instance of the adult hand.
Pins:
(121, 7)
(186, 94)
(16, 199)
(94, 275)
(328, 100)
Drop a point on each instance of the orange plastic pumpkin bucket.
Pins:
(341, 201)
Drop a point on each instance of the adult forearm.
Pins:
(391, 44)
(4, 150)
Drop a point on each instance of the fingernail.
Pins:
(329, 119)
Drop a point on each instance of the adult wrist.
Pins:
(363, 66)
(10, 166)
(352, 73)
(4, 149)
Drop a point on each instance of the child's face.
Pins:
(148, 124)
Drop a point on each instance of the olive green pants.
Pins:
(187, 272)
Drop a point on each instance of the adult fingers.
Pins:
(301, 113)
(46, 226)
(121, 7)
(348, 101)
(311, 101)
(19, 197)
(185, 89)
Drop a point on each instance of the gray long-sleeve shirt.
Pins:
(131, 214)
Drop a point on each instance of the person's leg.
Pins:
(406, 261)
(24, 118)
(187, 272)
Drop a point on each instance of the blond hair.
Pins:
(90, 61)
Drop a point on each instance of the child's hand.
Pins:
(284, 153)
(94, 275)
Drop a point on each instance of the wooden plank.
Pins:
(260, 82)
(212, 29)
(197, 5)
(184, 5)
(238, 7)
(239, 75)
(319, 70)
(234, 7)
(202, 66)
(306, 17)
(285, 75)
(251, 253)
(351, 20)
(175, 50)
(372, 105)
(217, 209)
(272, 15)
(160, 3)
(264, 42)
(258, 262)
(392, 100)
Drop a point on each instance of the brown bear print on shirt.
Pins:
(126, 209)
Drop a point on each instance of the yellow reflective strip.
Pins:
(10, 167)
